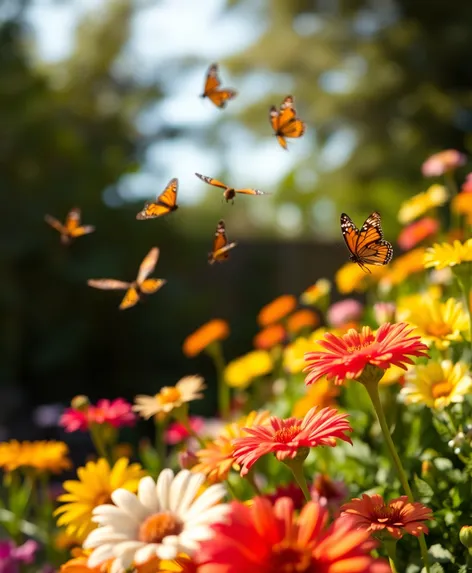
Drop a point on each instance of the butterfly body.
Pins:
(285, 122)
(165, 203)
(366, 245)
(221, 247)
(212, 90)
(72, 228)
(137, 289)
(229, 193)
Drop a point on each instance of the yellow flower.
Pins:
(269, 337)
(314, 293)
(437, 384)
(216, 460)
(350, 277)
(302, 319)
(208, 333)
(276, 310)
(403, 267)
(43, 456)
(170, 397)
(94, 487)
(243, 370)
(421, 203)
(439, 323)
(392, 375)
(445, 255)
(321, 394)
(294, 355)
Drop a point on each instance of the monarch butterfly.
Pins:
(229, 193)
(71, 228)
(165, 203)
(135, 290)
(367, 245)
(285, 122)
(220, 245)
(218, 96)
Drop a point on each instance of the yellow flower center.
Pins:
(287, 557)
(168, 395)
(441, 389)
(287, 434)
(158, 526)
(102, 498)
(438, 329)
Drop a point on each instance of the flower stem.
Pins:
(98, 441)
(159, 442)
(297, 469)
(391, 548)
(373, 391)
(464, 281)
(250, 478)
(216, 353)
(186, 423)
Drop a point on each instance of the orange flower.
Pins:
(301, 319)
(269, 337)
(317, 292)
(462, 202)
(266, 538)
(398, 516)
(216, 329)
(276, 310)
(417, 232)
(321, 394)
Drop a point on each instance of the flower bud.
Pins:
(465, 536)
(80, 402)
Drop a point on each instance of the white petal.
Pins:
(125, 547)
(209, 497)
(117, 567)
(109, 511)
(188, 546)
(167, 551)
(145, 553)
(177, 489)
(164, 482)
(188, 495)
(200, 533)
(217, 513)
(130, 504)
(125, 557)
(147, 494)
(98, 537)
(100, 555)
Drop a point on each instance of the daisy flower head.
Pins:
(239, 373)
(163, 519)
(397, 517)
(316, 293)
(437, 384)
(419, 204)
(266, 538)
(276, 310)
(217, 459)
(187, 389)
(417, 232)
(346, 357)
(442, 255)
(81, 415)
(443, 162)
(94, 486)
(210, 332)
(439, 323)
(42, 456)
(286, 437)
(13, 557)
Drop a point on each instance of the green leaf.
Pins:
(422, 490)
(439, 553)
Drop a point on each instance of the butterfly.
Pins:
(211, 90)
(135, 290)
(367, 245)
(165, 203)
(285, 122)
(220, 245)
(71, 228)
(229, 193)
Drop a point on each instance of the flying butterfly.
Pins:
(219, 97)
(229, 192)
(221, 246)
(165, 203)
(136, 290)
(72, 228)
(366, 245)
(285, 122)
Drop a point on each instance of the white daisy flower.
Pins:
(161, 520)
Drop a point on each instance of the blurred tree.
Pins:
(381, 85)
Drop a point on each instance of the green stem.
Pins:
(216, 353)
(373, 391)
(252, 481)
(98, 442)
(391, 548)
(464, 281)
(159, 443)
(231, 489)
(297, 469)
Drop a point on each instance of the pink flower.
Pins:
(384, 312)
(177, 432)
(266, 538)
(286, 437)
(328, 492)
(347, 356)
(443, 162)
(344, 311)
(467, 185)
(417, 232)
(11, 556)
(117, 413)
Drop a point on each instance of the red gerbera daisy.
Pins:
(286, 437)
(266, 538)
(373, 515)
(347, 356)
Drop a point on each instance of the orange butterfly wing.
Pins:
(108, 284)
(55, 224)
(130, 299)
(220, 245)
(73, 220)
(212, 80)
(211, 181)
(251, 192)
(150, 286)
(148, 265)
(285, 122)
(84, 230)
(165, 203)
(211, 91)
(221, 97)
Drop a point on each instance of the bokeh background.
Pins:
(99, 108)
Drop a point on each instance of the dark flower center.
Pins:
(289, 558)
